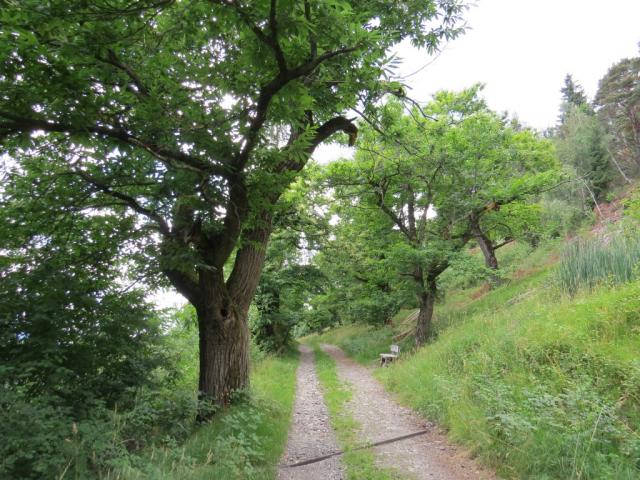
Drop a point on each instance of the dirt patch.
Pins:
(429, 456)
(311, 435)
(481, 292)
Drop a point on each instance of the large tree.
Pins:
(196, 115)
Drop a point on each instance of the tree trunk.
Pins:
(427, 299)
(224, 352)
(487, 248)
(488, 251)
(223, 309)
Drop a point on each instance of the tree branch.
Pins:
(176, 159)
(131, 202)
(269, 91)
(112, 59)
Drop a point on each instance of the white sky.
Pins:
(522, 50)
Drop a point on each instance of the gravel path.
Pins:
(311, 434)
(427, 456)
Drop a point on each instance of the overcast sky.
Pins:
(522, 50)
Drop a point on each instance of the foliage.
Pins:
(423, 185)
(156, 435)
(289, 281)
(632, 207)
(244, 442)
(80, 346)
(618, 101)
(71, 327)
(535, 385)
(587, 263)
(194, 117)
(582, 144)
(562, 217)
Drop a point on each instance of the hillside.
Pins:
(536, 383)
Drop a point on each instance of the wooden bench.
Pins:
(387, 358)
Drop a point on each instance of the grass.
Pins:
(359, 464)
(587, 263)
(245, 441)
(537, 384)
(543, 388)
(359, 340)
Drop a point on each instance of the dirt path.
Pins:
(311, 435)
(427, 456)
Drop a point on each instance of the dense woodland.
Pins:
(159, 144)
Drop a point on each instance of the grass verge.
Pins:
(359, 464)
(245, 441)
(539, 385)
(543, 388)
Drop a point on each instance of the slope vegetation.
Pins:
(537, 384)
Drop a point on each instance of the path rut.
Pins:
(429, 456)
(311, 435)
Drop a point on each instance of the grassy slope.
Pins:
(244, 442)
(537, 385)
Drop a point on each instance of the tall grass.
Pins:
(543, 388)
(587, 263)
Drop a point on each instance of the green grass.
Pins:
(541, 388)
(538, 385)
(359, 464)
(588, 263)
(359, 341)
(245, 441)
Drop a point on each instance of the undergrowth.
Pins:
(539, 389)
(537, 384)
(245, 441)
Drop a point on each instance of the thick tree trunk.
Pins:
(224, 352)
(222, 309)
(427, 300)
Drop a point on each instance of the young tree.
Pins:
(196, 115)
(572, 96)
(582, 146)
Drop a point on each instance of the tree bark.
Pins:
(222, 309)
(487, 248)
(427, 300)
(224, 353)
(485, 244)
